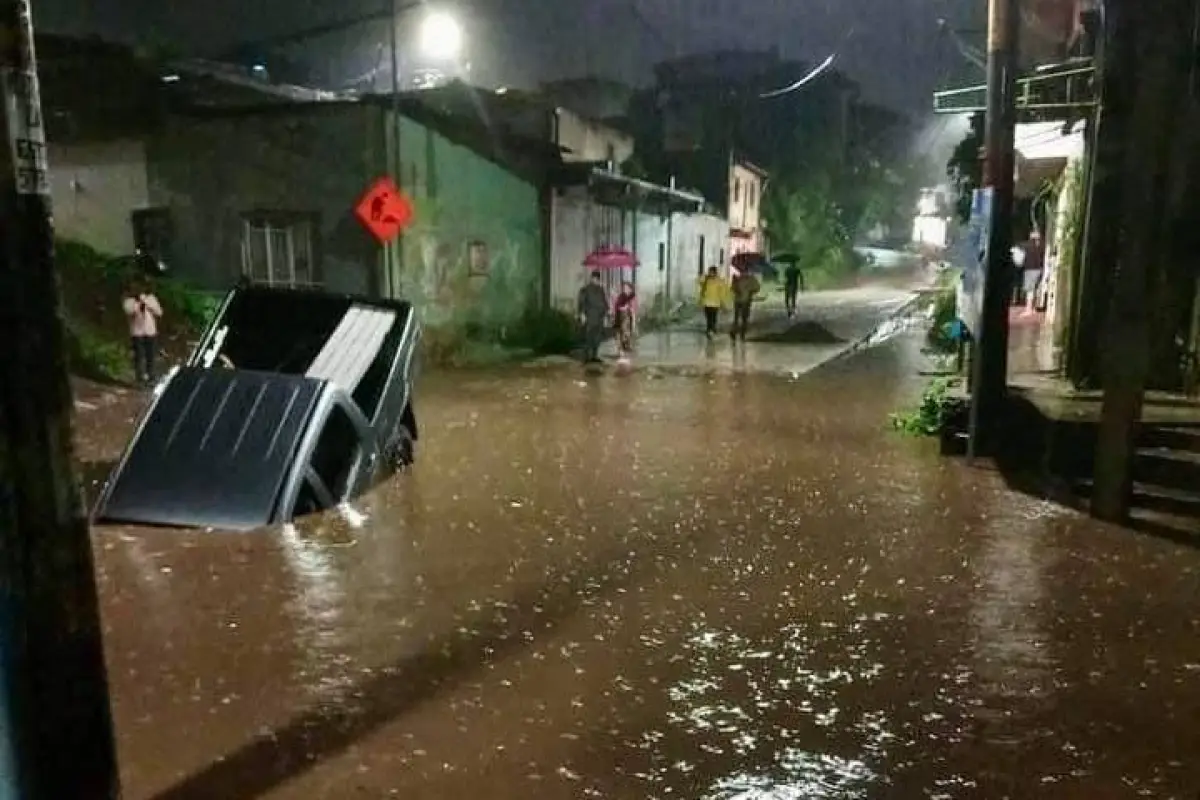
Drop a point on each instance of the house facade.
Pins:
(672, 236)
(270, 192)
(592, 205)
(98, 191)
(747, 183)
(98, 102)
(231, 176)
(586, 140)
(594, 97)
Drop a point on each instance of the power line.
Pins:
(815, 73)
(811, 76)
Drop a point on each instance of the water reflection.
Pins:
(1011, 644)
(767, 705)
(712, 587)
(809, 776)
(320, 628)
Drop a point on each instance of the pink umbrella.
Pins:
(610, 258)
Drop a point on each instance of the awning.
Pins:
(1043, 151)
(624, 191)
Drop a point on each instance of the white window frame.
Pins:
(298, 233)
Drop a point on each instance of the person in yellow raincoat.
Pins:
(714, 294)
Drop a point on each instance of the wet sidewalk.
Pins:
(826, 325)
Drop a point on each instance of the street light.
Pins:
(441, 37)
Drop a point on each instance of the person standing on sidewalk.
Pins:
(625, 320)
(746, 287)
(593, 311)
(142, 310)
(712, 297)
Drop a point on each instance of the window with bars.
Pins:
(278, 249)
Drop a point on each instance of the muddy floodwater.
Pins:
(715, 588)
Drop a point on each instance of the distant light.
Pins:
(441, 36)
(170, 78)
(259, 67)
(502, 90)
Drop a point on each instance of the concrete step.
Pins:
(1171, 437)
(1161, 466)
(1162, 499)
(1181, 528)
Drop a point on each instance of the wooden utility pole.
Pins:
(990, 384)
(1159, 34)
(57, 739)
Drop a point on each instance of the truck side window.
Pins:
(337, 452)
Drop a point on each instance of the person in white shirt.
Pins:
(143, 311)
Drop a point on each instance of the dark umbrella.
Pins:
(746, 262)
(755, 263)
(786, 258)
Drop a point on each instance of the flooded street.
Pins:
(715, 587)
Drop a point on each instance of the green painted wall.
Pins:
(473, 257)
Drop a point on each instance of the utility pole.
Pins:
(1160, 35)
(394, 252)
(990, 385)
(56, 737)
(1101, 238)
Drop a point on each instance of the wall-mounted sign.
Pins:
(384, 210)
(22, 100)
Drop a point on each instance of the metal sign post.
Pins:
(56, 738)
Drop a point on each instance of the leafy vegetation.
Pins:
(965, 168)
(931, 412)
(93, 285)
(90, 355)
(805, 221)
(540, 332)
(545, 332)
(840, 167)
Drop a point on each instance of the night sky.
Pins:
(893, 47)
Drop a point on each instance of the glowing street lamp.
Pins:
(441, 37)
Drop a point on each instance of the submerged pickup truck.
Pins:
(293, 402)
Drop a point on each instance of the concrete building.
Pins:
(747, 183)
(668, 230)
(671, 231)
(98, 102)
(581, 138)
(593, 97)
(223, 175)
(269, 192)
(227, 174)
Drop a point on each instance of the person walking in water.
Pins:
(142, 310)
(593, 311)
(793, 282)
(712, 297)
(746, 287)
(625, 320)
